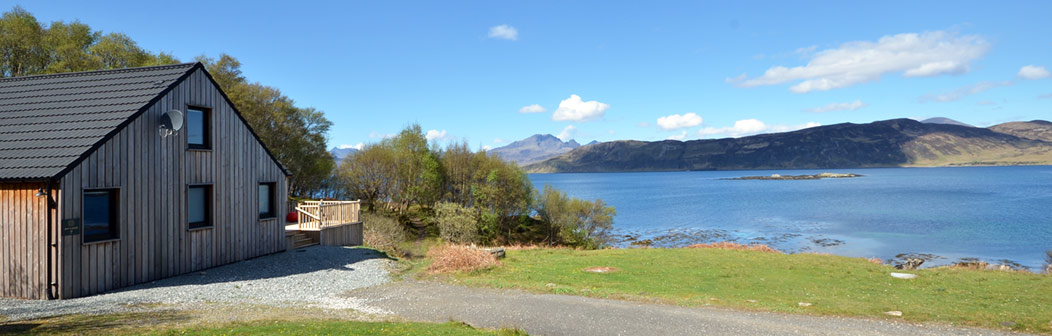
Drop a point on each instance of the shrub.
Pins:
(382, 233)
(1048, 262)
(456, 258)
(456, 224)
(573, 221)
(736, 246)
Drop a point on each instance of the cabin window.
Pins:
(199, 206)
(197, 126)
(266, 200)
(100, 216)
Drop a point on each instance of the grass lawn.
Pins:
(777, 282)
(181, 323)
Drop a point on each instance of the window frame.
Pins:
(273, 213)
(206, 128)
(209, 222)
(114, 214)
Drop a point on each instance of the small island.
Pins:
(795, 177)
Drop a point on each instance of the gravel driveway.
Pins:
(311, 277)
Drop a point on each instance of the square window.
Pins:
(100, 216)
(266, 200)
(199, 206)
(197, 128)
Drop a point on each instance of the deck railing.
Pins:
(316, 215)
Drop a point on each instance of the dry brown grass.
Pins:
(875, 261)
(457, 258)
(736, 246)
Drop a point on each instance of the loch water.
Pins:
(997, 214)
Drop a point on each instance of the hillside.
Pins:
(1034, 130)
(536, 148)
(888, 143)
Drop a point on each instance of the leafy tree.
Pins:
(460, 164)
(501, 192)
(367, 173)
(116, 51)
(418, 177)
(22, 50)
(28, 47)
(574, 221)
(70, 45)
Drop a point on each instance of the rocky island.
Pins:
(795, 177)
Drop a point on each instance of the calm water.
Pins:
(991, 213)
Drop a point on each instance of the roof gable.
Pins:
(48, 123)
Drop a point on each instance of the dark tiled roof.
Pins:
(47, 122)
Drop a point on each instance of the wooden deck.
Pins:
(326, 223)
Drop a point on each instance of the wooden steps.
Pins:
(301, 240)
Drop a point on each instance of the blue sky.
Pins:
(609, 70)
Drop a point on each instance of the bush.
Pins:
(1048, 262)
(456, 224)
(573, 221)
(382, 233)
(456, 258)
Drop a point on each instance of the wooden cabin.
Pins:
(96, 195)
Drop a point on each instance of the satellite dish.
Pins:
(171, 122)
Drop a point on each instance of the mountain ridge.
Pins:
(535, 148)
(886, 143)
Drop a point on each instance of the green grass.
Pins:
(187, 323)
(777, 282)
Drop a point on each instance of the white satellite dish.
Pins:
(171, 122)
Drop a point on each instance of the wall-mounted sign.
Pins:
(71, 227)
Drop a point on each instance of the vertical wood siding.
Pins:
(23, 241)
(152, 174)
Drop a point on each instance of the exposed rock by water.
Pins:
(910, 264)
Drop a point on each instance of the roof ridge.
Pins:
(98, 72)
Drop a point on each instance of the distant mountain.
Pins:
(536, 148)
(340, 153)
(1034, 130)
(888, 143)
(592, 143)
(944, 121)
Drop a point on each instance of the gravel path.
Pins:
(548, 314)
(310, 277)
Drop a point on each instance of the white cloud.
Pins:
(1047, 95)
(435, 135)
(857, 104)
(751, 127)
(681, 136)
(575, 109)
(676, 121)
(535, 108)
(346, 146)
(914, 55)
(984, 103)
(498, 140)
(963, 92)
(487, 147)
(504, 32)
(567, 133)
(1033, 72)
(643, 124)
